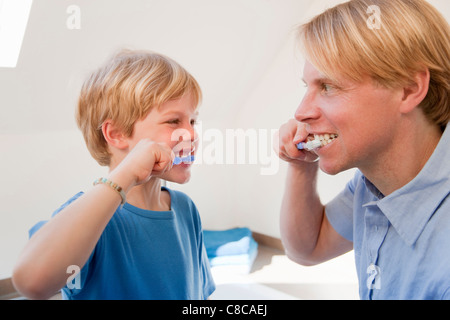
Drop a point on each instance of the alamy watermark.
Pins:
(74, 280)
(234, 147)
(374, 20)
(73, 21)
(374, 278)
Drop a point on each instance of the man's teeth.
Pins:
(325, 138)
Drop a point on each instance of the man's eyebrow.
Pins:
(320, 80)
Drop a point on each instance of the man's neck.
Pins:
(405, 158)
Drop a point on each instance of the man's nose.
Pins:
(308, 109)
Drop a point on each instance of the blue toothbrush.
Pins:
(187, 159)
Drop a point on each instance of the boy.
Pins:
(131, 237)
(378, 98)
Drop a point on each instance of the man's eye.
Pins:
(193, 122)
(174, 121)
(328, 88)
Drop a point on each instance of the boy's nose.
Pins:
(187, 140)
(194, 135)
(184, 134)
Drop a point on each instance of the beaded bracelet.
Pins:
(113, 185)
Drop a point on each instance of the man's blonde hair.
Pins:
(124, 90)
(411, 35)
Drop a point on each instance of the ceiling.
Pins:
(226, 45)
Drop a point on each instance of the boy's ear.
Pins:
(416, 91)
(114, 135)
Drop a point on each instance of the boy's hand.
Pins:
(286, 139)
(146, 159)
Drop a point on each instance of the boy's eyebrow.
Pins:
(170, 112)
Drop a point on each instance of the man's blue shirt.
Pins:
(401, 241)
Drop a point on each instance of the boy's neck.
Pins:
(149, 196)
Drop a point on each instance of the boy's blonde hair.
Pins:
(124, 90)
(411, 35)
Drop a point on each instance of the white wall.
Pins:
(247, 197)
(243, 55)
(226, 45)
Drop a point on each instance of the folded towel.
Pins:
(235, 241)
(245, 259)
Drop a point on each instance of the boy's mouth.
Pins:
(184, 149)
(186, 152)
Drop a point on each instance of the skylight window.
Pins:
(13, 23)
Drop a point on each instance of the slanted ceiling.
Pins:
(226, 45)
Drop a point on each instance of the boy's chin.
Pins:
(178, 178)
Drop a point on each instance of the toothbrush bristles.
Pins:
(310, 145)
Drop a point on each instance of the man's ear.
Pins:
(415, 91)
(114, 135)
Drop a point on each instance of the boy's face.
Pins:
(172, 123)
(363, 115)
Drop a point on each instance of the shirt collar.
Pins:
(410, 208)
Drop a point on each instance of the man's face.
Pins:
(363, 115)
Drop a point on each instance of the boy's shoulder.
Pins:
(39, 224)
(184, 206)
(179, 197)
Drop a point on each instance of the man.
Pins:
(378, 100)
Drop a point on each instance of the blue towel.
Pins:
(228, 242)
(243, 259)
(230, 247)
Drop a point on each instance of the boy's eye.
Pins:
(178, 121)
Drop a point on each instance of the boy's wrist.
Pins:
(124, 180)
(114, 186)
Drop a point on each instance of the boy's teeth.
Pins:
(325, 138)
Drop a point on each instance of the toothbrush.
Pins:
(187, 159)
(310, 145)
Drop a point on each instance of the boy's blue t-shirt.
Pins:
(145, 254)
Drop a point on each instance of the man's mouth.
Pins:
(325, 138)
